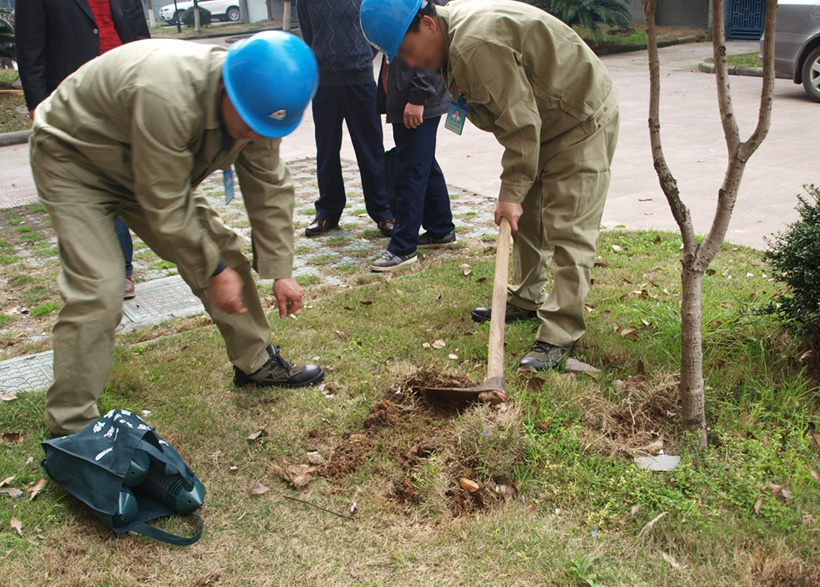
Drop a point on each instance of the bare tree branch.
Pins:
(727, 114)
(740, 152)
(669, 184)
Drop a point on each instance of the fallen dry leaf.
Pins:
(467, 269)
(439, 344)
(16, 526)
(12, 492)
(535, 383)
(671, 560)
(532, 509)
(616, 248)
(635, 510)
(816, 474)
(815, 437)
(37, 488)
(257, 435)
(315, 458)
(630, 333)
(469, 485)
(259, 490)
(589, 308)
(296, 475)
(786, 493)
(507, 491)
(340, 335)
(6, 481)
(13, 437)
(807, 519)
(8, 397)
(758, 505)
(426, 345)
(367, 303)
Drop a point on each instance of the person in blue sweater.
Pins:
(347, 93)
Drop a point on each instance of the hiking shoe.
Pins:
(320, 226)
(386, 227)
(430, 242)
(514, 314)
(544, 355)
(280, 373)
(389, 262)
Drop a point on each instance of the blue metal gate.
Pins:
(744, 19)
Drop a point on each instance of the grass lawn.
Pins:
(742, 60)
(583, 515)
(13, 113)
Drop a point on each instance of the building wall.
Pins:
(686, 13)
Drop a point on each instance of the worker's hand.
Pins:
(413, 115)
(509, 210)
(289, 296)
(31, 114)
(226, 291)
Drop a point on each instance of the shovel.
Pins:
(494, 388)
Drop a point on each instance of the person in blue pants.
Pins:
(414, 101)
(346, 94)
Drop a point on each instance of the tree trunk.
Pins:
(692, 398)
(197, 23)
(151, 19)
(286, 16)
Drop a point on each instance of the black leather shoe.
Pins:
(320, 226)
(386, 227)
(544, 355)
(280, 373)
(514, 314)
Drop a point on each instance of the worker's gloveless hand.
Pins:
(413, 115)
(509, 210)
(226, 291)
(289, 296)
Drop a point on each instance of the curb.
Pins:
(613, 50)
(738, 70)
(14, 138)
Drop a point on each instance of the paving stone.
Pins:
(30, 373)
(162, 299)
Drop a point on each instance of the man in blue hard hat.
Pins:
(525, 76)
(131, 135)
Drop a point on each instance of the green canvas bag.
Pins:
(127, 474)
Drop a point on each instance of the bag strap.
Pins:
(153, 532)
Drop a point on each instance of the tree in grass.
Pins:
(7, 51)
(697, 255)
(589, 14)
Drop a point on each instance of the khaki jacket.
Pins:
(528, 77)
(142, 122)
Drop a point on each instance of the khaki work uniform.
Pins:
(534, 84)
(130, 135)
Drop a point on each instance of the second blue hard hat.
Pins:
(385, 22)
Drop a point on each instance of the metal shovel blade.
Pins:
(491, 391)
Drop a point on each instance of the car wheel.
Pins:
(811, 74)
(233, 14)
(177, 18)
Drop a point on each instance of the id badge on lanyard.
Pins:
(230, 191)
(457, 115)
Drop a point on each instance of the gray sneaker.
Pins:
(390, 262)
(544, 355)
(430, 242)
(279, 372)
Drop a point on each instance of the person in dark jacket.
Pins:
(347, 93)
(55, 38)
(414, 101)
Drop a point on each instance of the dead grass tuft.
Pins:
(638, 422)
(768, 570)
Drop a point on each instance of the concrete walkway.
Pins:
(692, 138)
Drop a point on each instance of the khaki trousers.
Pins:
(560, 225)
(83, 209)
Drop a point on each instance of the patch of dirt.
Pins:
(768, 571)
(405, 414)
(640, 423)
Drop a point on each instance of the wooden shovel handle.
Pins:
(495, 356)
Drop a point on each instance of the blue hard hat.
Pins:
(385, 22)
(270, 78)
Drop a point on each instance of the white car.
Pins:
(220, 10)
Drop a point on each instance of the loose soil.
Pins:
(411, 431)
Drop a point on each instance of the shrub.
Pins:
(7, 50)
(204, 17)
(795, 261)
(589, 14)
